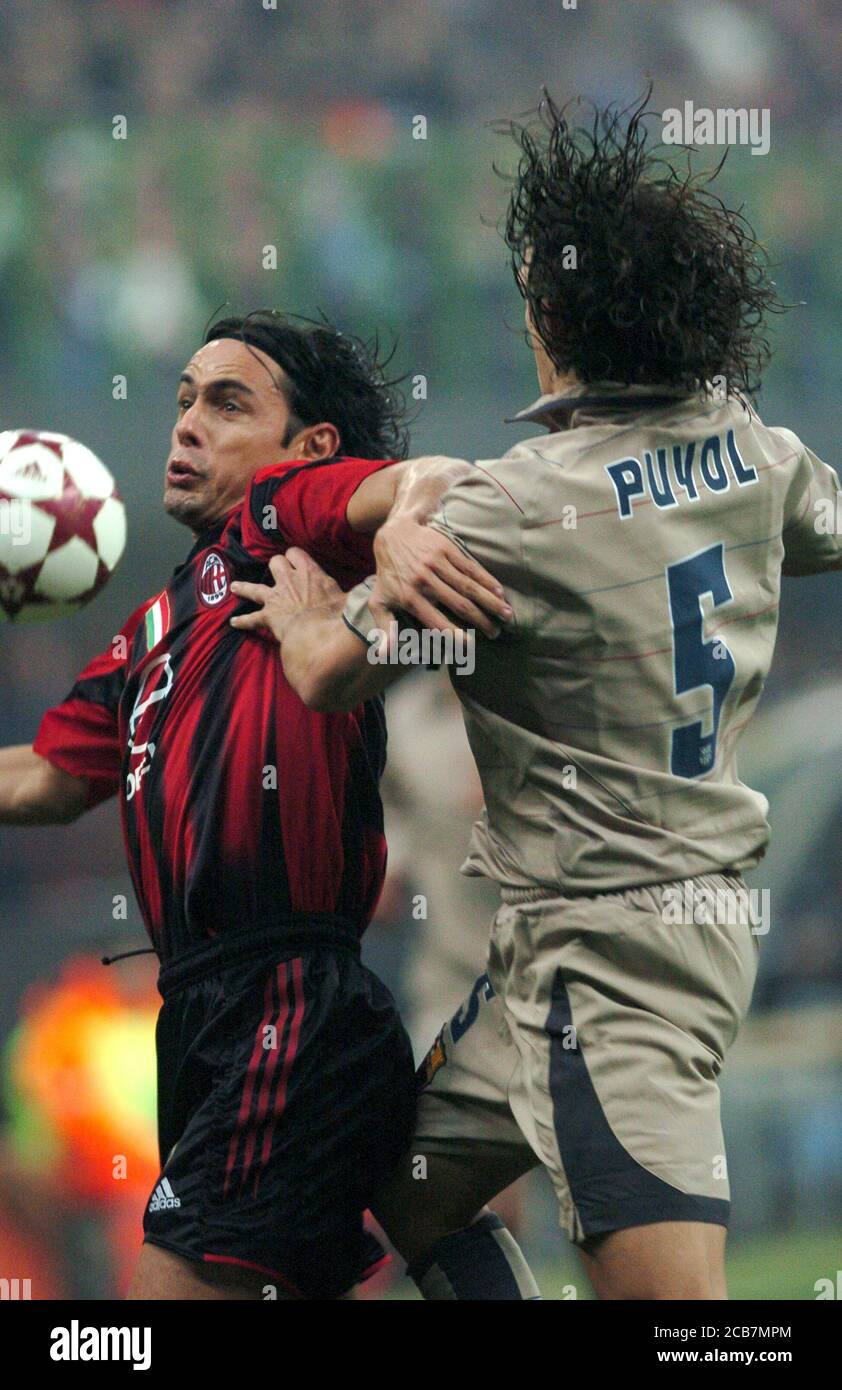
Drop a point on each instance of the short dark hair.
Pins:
(329, 376)
(669, 286)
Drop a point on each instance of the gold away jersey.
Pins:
(642, 551)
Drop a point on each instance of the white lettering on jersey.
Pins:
(671, 476)
(138, 728)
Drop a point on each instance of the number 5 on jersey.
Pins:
(698, 663)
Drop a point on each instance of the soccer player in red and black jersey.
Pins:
(253, 826)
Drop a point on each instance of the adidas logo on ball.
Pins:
(33, 471)
(163, 1197)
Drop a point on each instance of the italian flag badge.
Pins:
(157, 620)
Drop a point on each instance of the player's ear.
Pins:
(316, 441)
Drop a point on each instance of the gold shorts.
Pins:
(593, 1045)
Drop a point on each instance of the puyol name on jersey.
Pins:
(675, 474)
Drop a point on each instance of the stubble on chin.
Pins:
(185, 510)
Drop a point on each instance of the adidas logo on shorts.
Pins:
(163, 1197)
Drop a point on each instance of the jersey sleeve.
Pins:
(306, 504)
(812, 531)
(481, 514)
(357, 615)
(80, 735)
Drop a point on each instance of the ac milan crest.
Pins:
(213, 580)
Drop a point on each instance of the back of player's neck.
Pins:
(559, 383)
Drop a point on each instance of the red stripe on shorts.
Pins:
(289, 1058)
(258, 1052)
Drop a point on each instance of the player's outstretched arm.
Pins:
(325, 662)
(35, 792)
(419, 483)
(420, 571)
(328, 666)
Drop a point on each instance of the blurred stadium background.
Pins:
(293, 127)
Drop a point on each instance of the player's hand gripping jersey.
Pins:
(240, 807)
(642, 551)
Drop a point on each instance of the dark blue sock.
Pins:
(481, 1262)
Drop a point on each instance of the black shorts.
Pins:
(286, 1095)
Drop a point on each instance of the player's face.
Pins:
(231, 418)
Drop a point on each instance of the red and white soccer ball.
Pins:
(62, 525)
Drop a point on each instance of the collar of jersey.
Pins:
(555, 409)
(204, 539)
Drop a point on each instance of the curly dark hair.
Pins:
(329, 376)
(669, 287)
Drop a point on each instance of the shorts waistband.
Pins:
(544, 892)
(297, 934)
(528, 895)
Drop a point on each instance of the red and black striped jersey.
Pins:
(239, 805)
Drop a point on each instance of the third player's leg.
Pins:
(432, 1194)
(467, 1148)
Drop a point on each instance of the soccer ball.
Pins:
(62, 525)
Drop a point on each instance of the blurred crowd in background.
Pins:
(274, 157)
